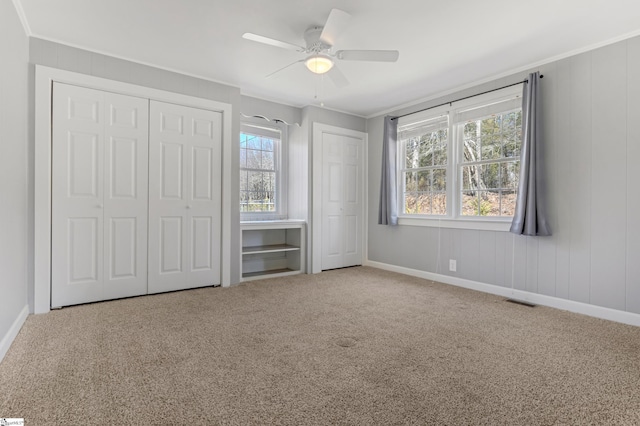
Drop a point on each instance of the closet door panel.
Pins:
(126, 195)
(99, 195)
(77, 196)
(205, 198)
(167, 202)
(185, 197)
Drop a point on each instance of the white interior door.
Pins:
(342, 198)
(99, 196)
(185, 184)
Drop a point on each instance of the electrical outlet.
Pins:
(452, 265)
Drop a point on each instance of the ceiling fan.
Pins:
(319, 44)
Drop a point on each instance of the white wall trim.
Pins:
(45, 77)
(538, 299)
(13, 331)
(316, 211)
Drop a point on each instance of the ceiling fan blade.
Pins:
(336, 23)
(368, 55)
(283, 68)
(272, 42)
(337, 77)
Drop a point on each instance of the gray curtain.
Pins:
(388, 208)
(530, 216)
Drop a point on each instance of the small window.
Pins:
(461, 161)
(260, 171)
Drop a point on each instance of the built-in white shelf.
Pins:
(272, 248)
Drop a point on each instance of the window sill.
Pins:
(274, 221)
(264, 217)
(500, 225)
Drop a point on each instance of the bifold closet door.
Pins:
(185, 198)
(99, 196)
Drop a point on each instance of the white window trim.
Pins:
(281, 172)
(453, 219)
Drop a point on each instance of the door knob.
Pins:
(99, 206)
(188, 207)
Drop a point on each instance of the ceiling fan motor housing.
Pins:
(313, 42)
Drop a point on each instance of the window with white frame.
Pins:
(461, 161)
(261, 181)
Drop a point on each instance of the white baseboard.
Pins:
(8, 338)
(525, 296)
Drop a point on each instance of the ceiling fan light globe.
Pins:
(319, 64)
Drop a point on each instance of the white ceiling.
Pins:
(443, 44)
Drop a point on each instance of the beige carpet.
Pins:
(355, 346)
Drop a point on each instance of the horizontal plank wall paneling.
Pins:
(591, 105)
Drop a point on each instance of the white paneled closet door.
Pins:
(99, 195)
(342, 162)
(185, 181)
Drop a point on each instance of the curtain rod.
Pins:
(462, 99)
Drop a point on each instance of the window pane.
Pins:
(471, 150)
(509, 175)
(254, 142)
(481, 203)
(440, 150)
(411, 203)
(439, 182)
(492, 147)
(410, 181)
(269, 179)
(243, 180)
(254, 159)
(411, 149)
(471, 177)
(267, 160)
(270, 202)
(243, 157)
(508, 204)
(439, 203)
(489, 203)
(255, 183)
(424, 180)
(490, 176)
(417, 203)
(469, 203)
(427, 144)
(470, 130)
(267, 144)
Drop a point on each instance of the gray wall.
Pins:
(591, 105)
(68, 58)
(14, 149)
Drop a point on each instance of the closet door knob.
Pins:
(188, 207)
(99, 206)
